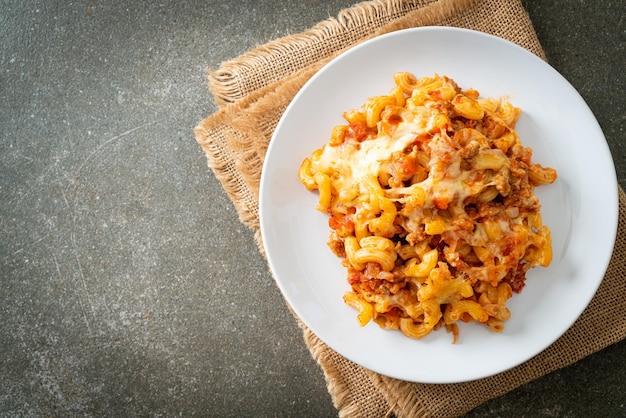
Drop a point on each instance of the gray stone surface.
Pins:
(129, 287)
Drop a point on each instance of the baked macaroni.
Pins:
(432, 207)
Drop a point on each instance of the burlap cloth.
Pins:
(254, 89)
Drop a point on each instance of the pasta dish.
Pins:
(431, 205)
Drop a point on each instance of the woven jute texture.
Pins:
(254, 89)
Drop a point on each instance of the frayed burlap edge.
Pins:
(277, 59)
(348, 395)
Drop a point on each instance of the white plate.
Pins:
(580, 208)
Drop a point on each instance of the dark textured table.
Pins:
(129, 287)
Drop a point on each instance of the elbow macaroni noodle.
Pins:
(431, 205)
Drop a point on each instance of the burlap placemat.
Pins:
(254, 89)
